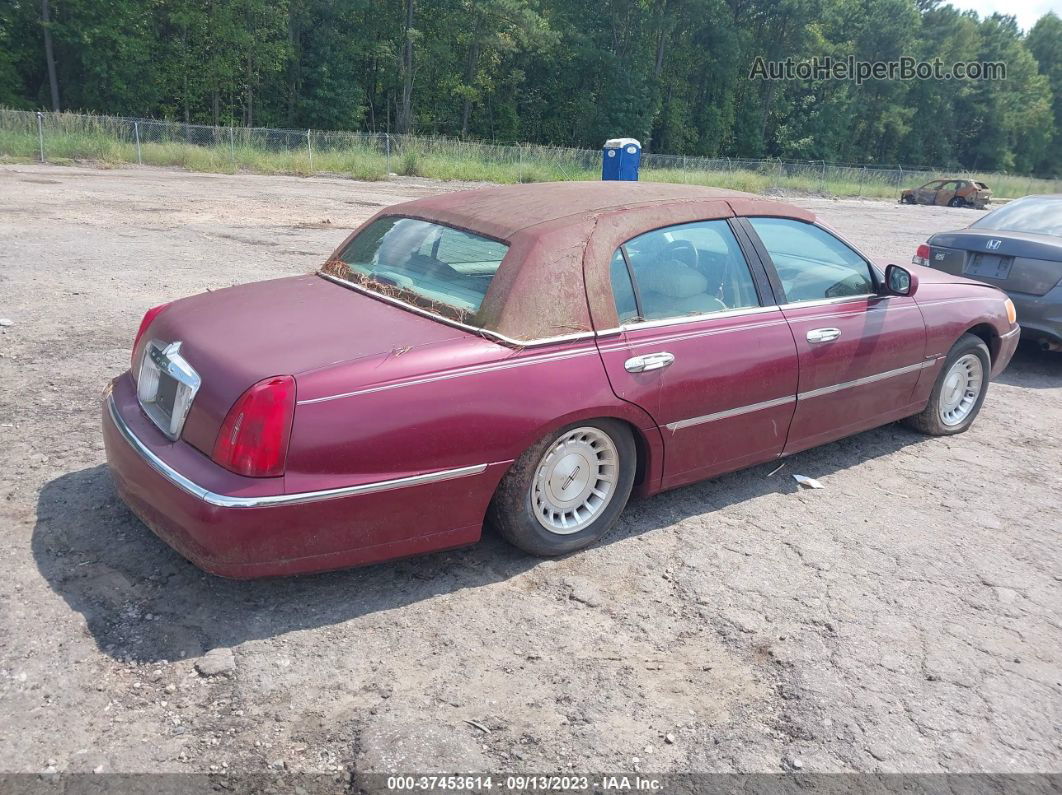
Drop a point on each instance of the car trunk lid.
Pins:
(235, 337)
(1017, 262)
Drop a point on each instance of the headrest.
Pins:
(673, 278)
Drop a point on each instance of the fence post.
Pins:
(136, 134)
(823, 176)
(309, 150)
(862, 177)
(387, 152)
(232, 147)
(40, 134)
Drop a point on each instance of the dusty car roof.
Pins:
(562, 236)
(504, 210)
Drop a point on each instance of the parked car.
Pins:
(949, 193)
(1017, 248)
(529, 356)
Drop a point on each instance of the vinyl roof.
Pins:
(555, 279)
(502, 211)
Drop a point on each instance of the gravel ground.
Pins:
(904, 619)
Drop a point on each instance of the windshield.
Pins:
(429, 265)
(1031, 214)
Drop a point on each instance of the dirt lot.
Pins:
(905, 618)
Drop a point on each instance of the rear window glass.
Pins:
(436, 267)
(1031, 214)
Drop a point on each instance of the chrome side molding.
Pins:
(225, 501)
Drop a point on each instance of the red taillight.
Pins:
(253, 439)
(922, 252)
(149, 316)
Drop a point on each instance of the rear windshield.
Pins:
(429, 265)
(1031, 214)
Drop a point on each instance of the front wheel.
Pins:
(567, 491)
(959, 391)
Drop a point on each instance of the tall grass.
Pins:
(111, 141)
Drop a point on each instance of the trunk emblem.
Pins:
(993, 244)
(161, 356)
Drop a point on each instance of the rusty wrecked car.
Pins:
(949, 193)
(526, 357)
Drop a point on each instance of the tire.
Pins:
(528, 491)
(907, 200)
(941, 416)
(958, 201)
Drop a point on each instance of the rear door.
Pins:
(701, 348)
(860, 352)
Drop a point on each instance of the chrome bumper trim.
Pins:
(1011, 333)
(223, 501)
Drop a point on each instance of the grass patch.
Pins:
(110, 142)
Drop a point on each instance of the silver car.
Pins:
(1018, 248)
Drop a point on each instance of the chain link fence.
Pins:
(62, 137)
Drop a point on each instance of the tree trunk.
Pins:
(470, 74)
(295, 66)
(404, 120)
(49, 55)
(661, 41)
(249, 105)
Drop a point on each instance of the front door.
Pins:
(860, 352)
(927, 194)
(702, 349)
(946, 193)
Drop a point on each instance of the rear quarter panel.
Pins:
(470, 403)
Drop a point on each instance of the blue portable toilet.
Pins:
(620, 159)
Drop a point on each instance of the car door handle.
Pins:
(823, 334)
(651, 361)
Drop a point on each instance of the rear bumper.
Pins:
(248, 535)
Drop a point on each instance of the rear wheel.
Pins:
(907, 199)
(958, 201)
(959, 391)
(567, 491)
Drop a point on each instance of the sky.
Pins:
(1027, 11)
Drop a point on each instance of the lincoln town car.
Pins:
(527, 358)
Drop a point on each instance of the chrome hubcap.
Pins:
(962, 385)
(575, 480)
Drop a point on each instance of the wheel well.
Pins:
(641, 446)
(988, 336)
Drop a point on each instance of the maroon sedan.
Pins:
(526, 356)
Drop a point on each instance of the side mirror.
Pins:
(899, 281)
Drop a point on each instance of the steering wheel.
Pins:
(682, 250)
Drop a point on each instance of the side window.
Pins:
(811, 263)
(623, 290)
(689, 269)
